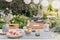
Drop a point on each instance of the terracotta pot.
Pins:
(13, 26)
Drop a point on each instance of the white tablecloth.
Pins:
(43, 35)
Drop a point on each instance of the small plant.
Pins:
(1, 22)
(55, 9)
(49, 7)
(21, 20)
(57, 24)
(40, 6)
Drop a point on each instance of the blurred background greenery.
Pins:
(24, 12)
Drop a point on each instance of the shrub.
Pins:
(1, 24)
(21, 20)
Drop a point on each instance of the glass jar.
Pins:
(5, 28)
(37, 33)
(46, 27)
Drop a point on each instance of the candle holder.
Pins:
(37, 33)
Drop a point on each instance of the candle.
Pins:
(37, 32)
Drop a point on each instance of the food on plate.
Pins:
(14, 33)
(28, 30)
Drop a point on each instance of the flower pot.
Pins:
(13, 26)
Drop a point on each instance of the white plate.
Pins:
(14, 36)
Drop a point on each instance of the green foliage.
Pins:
(49, 7)
(4, 5)
(57, 28)
(21, 20)
(15, 20)
(53, 21)
(44, 16)
(18, 7)
(55, 9)
(1, 24)
(57, 24)
(40, 6)
(34, 9)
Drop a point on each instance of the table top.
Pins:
(43, 35)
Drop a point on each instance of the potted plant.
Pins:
(21, 20)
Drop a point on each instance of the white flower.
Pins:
(2, 19)
(7, 8)
(35, 1)
(27, 1)
(13, 21)
(14, 15)
(44, 3)
(9, 0)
